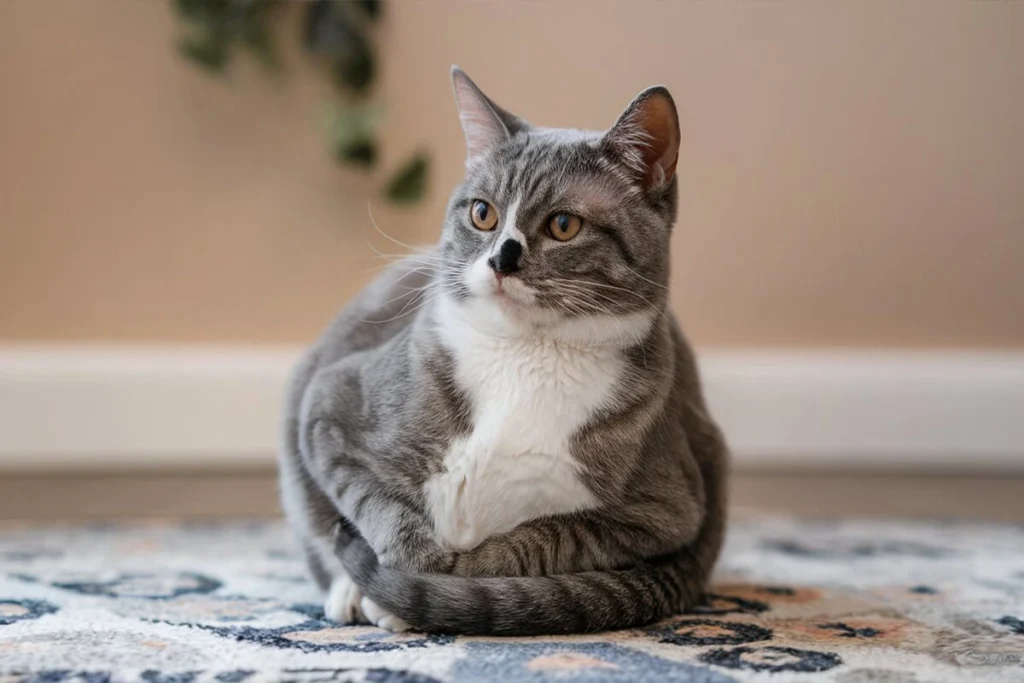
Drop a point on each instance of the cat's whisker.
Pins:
(579, 310)
(417, 294)
(424, 258)
(437, 262)
(580, 289)
(588, 298)
(409, 292)
(373, 222)
(576, 310)
(423, 268)
(419, 254)
(616, 288)
(587, 283)
(395, 258)
(423, 297)
(647, 280)
(374, 269)
(585, 293)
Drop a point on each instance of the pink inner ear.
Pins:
(657, 118)
(480, 125)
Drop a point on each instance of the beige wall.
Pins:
(851, 173)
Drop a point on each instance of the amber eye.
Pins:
(484, 216)
(564, 226)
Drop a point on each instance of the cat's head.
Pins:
(561, 230)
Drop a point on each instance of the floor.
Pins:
(187, 578)
(229, 602)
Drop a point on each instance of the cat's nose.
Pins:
(508, 258)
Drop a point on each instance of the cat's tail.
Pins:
(534, 605)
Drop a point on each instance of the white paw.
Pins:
(343, 601)
(384, 620)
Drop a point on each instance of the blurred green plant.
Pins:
(337, 33)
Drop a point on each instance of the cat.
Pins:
(510, 425)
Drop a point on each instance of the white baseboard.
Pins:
(86, 407)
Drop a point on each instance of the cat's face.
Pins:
(563, 230)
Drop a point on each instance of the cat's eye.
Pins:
(564, 226)
(483, 215)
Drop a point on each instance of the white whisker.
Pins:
(648, 281)
(373, 222)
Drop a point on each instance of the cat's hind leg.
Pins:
(344, 601)
(311, 516)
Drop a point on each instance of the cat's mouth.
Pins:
(507, 290)
(510, 290)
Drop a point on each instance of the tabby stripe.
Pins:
(616, 237)
(520, 554)
(670, 585)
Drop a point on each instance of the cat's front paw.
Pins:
(385, 620)
(343, 602)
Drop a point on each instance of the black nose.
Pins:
(507, 260)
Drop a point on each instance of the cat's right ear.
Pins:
(484, 123)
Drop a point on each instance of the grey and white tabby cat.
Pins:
(525, 449)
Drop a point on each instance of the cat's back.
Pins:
(384, 309)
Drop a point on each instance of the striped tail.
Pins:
(533, 605)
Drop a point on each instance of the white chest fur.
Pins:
(529, 397)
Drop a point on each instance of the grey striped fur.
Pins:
(374, 405)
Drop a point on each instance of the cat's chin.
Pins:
(506, 318)
(513, 302)
(513, 310)
(502, 314)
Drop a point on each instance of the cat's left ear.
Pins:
(646, 138)
(484, 123)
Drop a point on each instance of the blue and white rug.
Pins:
(851, 602)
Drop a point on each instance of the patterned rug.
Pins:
(852, 602)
